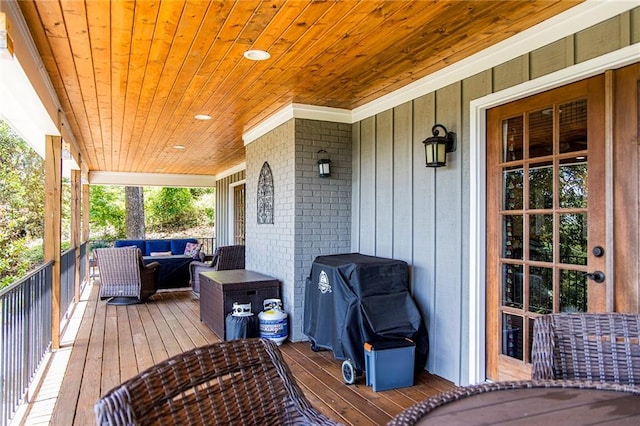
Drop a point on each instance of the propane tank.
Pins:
(240, 323)
(273, 321)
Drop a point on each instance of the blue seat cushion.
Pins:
(156, 246)
(178, 245)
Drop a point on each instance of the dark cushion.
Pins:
(178, 245)
(156, 246)
(130, 243)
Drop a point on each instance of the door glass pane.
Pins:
(573, 238)
(573, 126)
(541, 186)
(513, 183)
(512, 145)
(540, 290)
(512, 330)
(512, 237)
(541, 237)
(512, 286)
(573, 291)
(541, 133)
(573, 183)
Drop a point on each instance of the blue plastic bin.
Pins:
(389, 364)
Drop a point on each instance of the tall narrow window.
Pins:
(238, 213)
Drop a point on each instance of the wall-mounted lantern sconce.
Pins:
(324, 164)
(436, 146)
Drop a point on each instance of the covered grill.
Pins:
(353, 298)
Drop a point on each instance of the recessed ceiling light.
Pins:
(202, 117)
(178, 147)
(257, 55)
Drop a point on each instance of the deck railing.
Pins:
(25, 326)
(25, 335)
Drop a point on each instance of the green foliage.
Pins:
(205, 206)
(170, 208)
(21, 188)
(106, 212)
(21, 206)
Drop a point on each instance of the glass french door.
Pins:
(545, 232)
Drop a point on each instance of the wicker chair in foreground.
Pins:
(587, 346)
(224, 258)
(124, 278)
(240, 382)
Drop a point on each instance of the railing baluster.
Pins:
(25, 328)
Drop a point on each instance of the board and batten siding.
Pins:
(402, 209)
(223, 221)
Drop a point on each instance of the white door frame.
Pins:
(231, 226)
(478, 144)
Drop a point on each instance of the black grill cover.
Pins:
(353, 298)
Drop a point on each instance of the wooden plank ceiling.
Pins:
(131, 75)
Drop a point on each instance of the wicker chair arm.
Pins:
(152, 265)
(542, 351)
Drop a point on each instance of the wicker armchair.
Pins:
(224, 258)
(124, 278)
(241, 382)
(592, 347)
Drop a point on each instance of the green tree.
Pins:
(21, 205)
(106, 212)
(171, 208)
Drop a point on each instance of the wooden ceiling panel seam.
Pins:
(239, 83)
(173, 75)
(75, 19)
(303, 85)
(249, 87)
(31, 15)
(125, 60)
(131, 74)
(164, 33)
(236, 59)
(119, 49)
(250, 8)
(178, 54)
(58, 42)
(192, 65)
(99, 40)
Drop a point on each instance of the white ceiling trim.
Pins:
(232, 170)
(309, 112)
(569, 22)
(577, 18)
(151, 179)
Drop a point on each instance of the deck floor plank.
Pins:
(110, 351)
(141, 347)
(70, 386)
(142, 335)
(90, 389)
(128, 368)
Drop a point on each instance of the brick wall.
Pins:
(312, 215)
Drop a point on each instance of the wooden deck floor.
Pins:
(114, 343)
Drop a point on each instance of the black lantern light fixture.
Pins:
(324, 164)
(436, 146)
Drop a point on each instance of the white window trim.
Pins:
(231, 225)
(478, 144)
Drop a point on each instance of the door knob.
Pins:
(597, 276)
